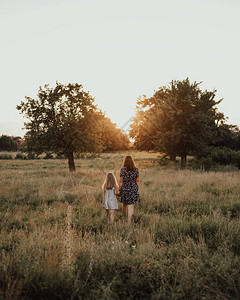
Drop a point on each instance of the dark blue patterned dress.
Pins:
(129, 191)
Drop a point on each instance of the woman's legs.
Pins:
(128, 211)
(124, 209)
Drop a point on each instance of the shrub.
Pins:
(5, 156)
(48, 156)
(217, 157)
(225, 156)
(92, 155)
(164, 161)
(20, 156)
(89, 155)
(205, 163)
(31, 155)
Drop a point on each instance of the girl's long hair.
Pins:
(110, 182)
(129, 163)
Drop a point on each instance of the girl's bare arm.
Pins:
(103, 196)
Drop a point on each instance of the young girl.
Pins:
(110, 190)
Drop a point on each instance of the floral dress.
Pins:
(129, 191)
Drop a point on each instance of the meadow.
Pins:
(56, 241)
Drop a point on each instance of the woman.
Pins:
(129, 187)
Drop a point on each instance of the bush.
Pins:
(31, 155)
(164, 161)
(217, 157)
(5, 156)
(89, 155)
(20, 156)
(205, 163)
(48, 156)
(92, 155)
(225, 156)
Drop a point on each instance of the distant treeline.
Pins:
(113, 139)
(10, 143)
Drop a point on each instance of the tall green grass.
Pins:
(56, 242)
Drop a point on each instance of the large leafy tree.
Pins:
(65, 120)
(61, 120)
(179, 119)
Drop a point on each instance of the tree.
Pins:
(110, 137)
(61, 120)
(6, 143)
(228, 136)
(9, 143)
(178, 120)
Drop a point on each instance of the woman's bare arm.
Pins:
(120, 183)
(137, 180)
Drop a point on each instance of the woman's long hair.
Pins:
(110, 182)
(129, 163)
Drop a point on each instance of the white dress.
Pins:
(110, 200)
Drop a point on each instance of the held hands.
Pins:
(118, 193)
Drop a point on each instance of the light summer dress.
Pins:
(110, 200)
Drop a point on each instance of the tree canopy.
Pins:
(65, 120)
(10, 143)
(228, 136)
(110, 138)
(179, 119)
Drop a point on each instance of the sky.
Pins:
(118, 50)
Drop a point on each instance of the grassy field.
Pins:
(56, 242)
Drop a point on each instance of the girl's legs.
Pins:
(111, 214)
(130, 212)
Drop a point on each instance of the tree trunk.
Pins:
(183, 161)
(71, 163)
